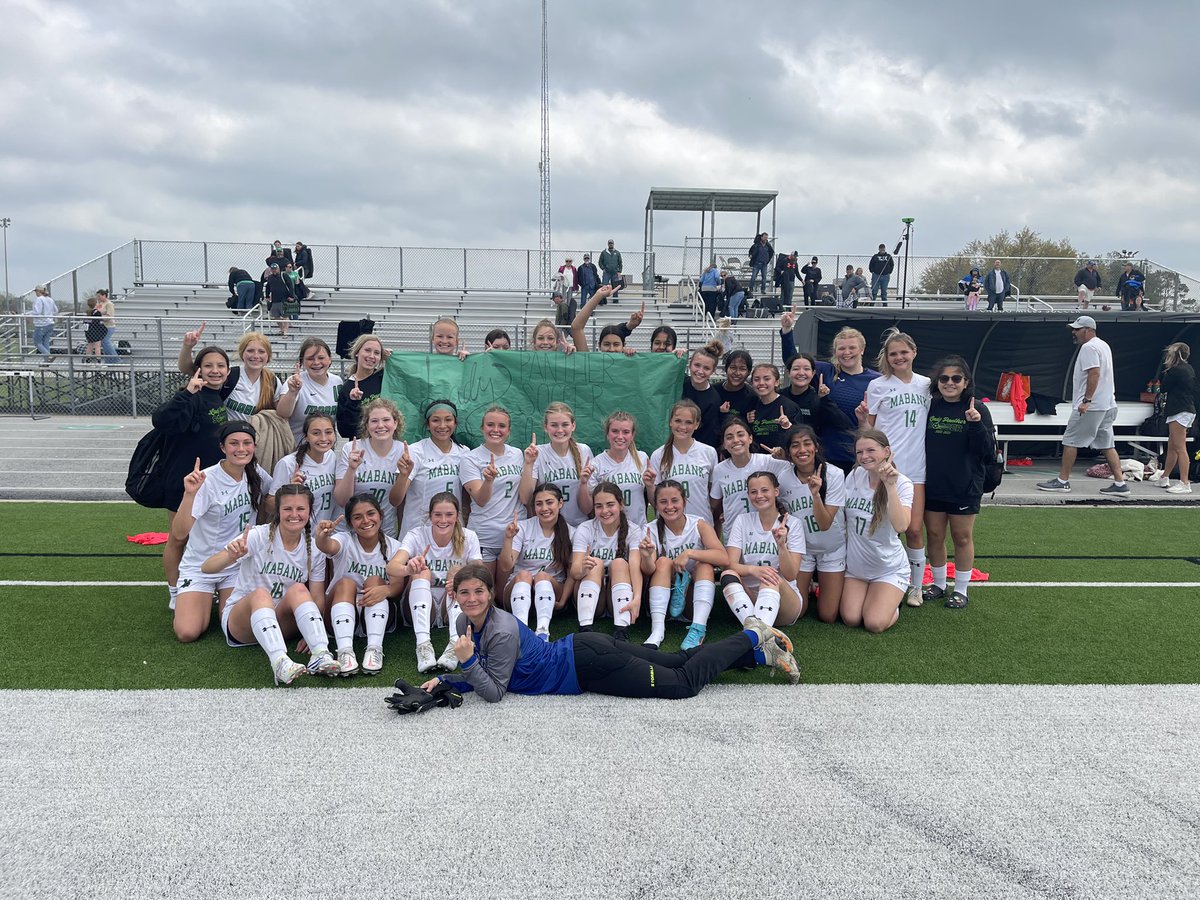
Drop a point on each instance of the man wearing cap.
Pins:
(1130, 288)
(588, 279)
(812, 280)
(880, 267)
(612, 266)
(854, 286)
(1093, 410)
(1087, 280)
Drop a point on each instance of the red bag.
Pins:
(1004, 388)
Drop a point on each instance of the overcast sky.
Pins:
(417, 122)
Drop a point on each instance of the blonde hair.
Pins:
(619, 415)
(385, 404)
(458, 538)
(359, 342)
(558, 408)
(668, 457)
(539, 326)
(266, 379)
(846, 334)
(1175, 354)
(892, 336)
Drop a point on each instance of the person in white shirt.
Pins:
(43, 313)
(562, 462)
(311, 388)
(431, 466)
(685, 460)
(431, 555)
(622, 464)
(606, 550)
(729, 496)
(898, 405)
(879, 503)
(278, 566)
(765, 546)
(371, 462)
(360, 585)
(313, 464)
(1093, 410)
(535, 561)
(491, 475)
(679, 550)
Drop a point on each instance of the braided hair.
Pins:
(293, 490)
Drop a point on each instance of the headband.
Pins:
(234, 427)
(440, 407)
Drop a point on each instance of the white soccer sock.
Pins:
(174, 592)
(453, 611)
(660, 598)
(622, 594)
(767, 605)
(375, 619)
(702, 601)
(343, 615)
(265, 626)
(586, 600)
(312, 625)
(420, 598)
(521, 600)
(939, 576)
(543, 602)
(738, 600)
(962, 578)
(916, 566)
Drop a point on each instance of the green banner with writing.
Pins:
(526, 382)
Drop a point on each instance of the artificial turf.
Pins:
(120, 637)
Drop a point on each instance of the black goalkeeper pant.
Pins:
(621, 669)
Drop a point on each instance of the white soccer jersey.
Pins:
(900, 412)
(490, 520)
(627, 475)
(271, 566)
(870, 557)
(688, 539)
(694, 470)
(314, 398)
(318, 477)
(440, 559)
(222, 511)
(375, 475)
(433, 472)
(603, 546)
(535, 550)
(243, 399)
(758, 544)
(561, 471)
(799, 502)
(729, 484)
(353, 562)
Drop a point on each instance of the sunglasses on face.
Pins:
(947, 379)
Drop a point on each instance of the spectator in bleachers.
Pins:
(304, 260)
(734, 295)
(279, 291)
(43, 313)
(568, 280)
(588, 278)
(812, 281)
(711, 289)
(1131, 288)
(854, 289)
(278, 250)
(95, 331)
(1087, 281)
(760, 255)
(998, 286)
(971, 284)
(613, 267)
(109, 311)
(241, 287)
(786, 271)
(881, 267)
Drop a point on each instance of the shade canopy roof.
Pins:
(702, 200)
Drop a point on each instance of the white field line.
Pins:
(974, 584)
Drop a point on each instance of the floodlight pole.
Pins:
(908, 223)
(4, 223)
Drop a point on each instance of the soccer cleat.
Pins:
(1116, 489)
(286, 670)
(372, 661)
(544, 635)
(679, 589)
(448, 660)
(620, 633)
(323, 663)
(765, 632)
(694, 637)
(781, 659)
(957, 600)
(1179, 488)
(932, 592)
(426, 659)
(1061, 487)
(913, 596)
(347, 662)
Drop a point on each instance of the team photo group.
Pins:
(299, 515)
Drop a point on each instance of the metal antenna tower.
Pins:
(544, 164)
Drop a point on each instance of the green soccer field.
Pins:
(1135, 621)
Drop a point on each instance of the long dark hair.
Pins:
(205, 351)
(734, 419)
(358, 500)
(953, 361)
(607, 487)
(253, 479)
(561, 548)
(304, 446)
(819, 464)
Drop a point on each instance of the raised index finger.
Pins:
(200, 330)
(197, 469)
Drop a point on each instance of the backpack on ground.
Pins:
(144, 483)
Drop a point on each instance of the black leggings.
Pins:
(606, 666)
